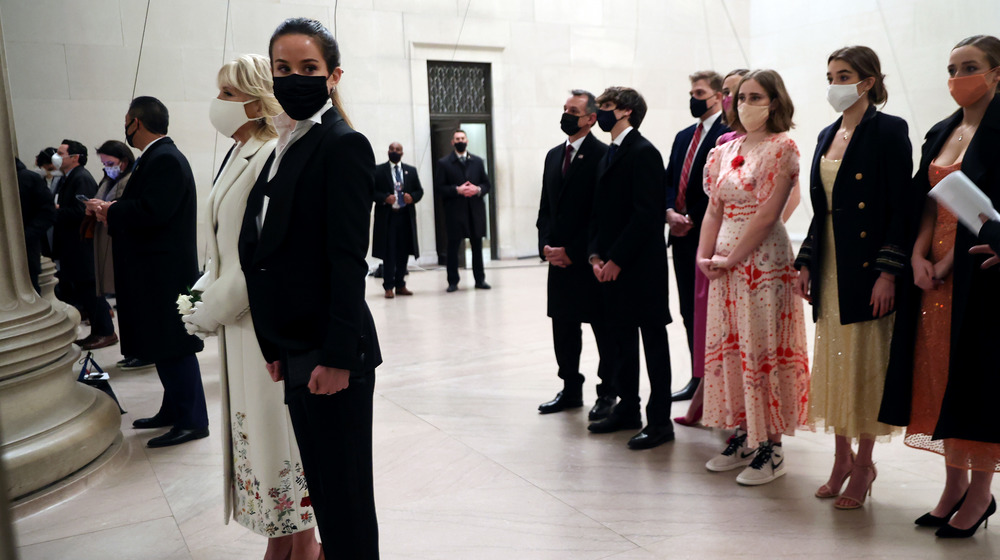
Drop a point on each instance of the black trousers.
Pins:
(477, 259)
(398, 245)
(567, 341)
(654, 342)
(183, 394)
(82, 294)
(334, 434)
(685, 251)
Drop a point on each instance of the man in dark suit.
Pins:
(686, 198)
(461, 180)
(75, 248)
(397, 190)
(38, 213)
(568, 182)
(156, 260)
(628, 256)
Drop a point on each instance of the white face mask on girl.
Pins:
(842, 96)
(228, 116)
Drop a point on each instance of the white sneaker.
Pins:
(768, 465)
(736, 454)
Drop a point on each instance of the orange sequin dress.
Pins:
(932, 353)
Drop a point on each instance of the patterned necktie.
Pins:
(681, 204)
(399, 176)
(567, 159)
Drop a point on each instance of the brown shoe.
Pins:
(389, 294)
(100, 342)
(402, 291)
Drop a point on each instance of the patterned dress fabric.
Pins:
(850, 361)
(756, 358)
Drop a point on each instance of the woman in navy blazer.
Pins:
(849, 262)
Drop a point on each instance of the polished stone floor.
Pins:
(466, 469)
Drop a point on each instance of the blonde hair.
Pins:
(250, 74)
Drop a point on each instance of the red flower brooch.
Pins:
(738, 162)
(306, 502)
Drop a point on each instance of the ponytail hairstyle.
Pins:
(865, 62)
(328, 45)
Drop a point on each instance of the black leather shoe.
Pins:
(452, 288)
(602, 407)
(150, 423)
(483, 286)
(177, 436)
(614, 423)
(687, 393)
(651, 436)
(563, 401)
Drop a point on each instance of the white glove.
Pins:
(199, 322)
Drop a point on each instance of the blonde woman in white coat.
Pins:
(265, 487)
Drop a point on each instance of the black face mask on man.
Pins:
(394, 157)
(301, 96)
(698, 107)
(570, 124)
(606, 119)
(461, 146)
(130, 138)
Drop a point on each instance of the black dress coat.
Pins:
(153, 226)
(563, 221)
(464, 216)
(385, 186)
(38, 214)
(306, 267)
(695, 198)
(870, 213)
(75, 254)
(627, 228)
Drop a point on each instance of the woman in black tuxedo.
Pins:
(302, 249)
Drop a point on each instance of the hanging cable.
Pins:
(142, 42)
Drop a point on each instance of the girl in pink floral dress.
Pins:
(756, 361)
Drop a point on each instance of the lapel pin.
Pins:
(579, 156)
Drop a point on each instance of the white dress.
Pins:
(265, 488)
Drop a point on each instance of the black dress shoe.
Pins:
(602, 407)
(687, 393)
(614, 423)
(562, 402)
(452, 288)
(177, 436)
(483, 286)
(151, 422)
(651, 436)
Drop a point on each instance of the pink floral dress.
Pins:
(756, 358)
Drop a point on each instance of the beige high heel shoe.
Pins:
(854, 502)
(826, 492)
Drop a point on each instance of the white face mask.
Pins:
(753, 117)
(57, 161)
(842, 96)
(228, 116)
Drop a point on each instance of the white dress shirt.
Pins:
(706, 125)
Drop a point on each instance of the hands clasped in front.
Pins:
(715, 267)
(605, 271)
(323, 380)
(467, 189)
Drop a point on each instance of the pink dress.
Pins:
(756, 358)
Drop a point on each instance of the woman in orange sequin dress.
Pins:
(756, 363)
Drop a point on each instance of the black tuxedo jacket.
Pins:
(75, 254)
(306, 267)
(153, 226)
(464, 216)
(870, 212)
(627, 228)
(697, 200)
(563, 221)
(385, 186)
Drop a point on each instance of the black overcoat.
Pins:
(74, 253)
(385, 186)
(464, 216)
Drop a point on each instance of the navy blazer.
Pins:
(870, 212)
(697, 200)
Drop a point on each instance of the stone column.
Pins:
(53, 426)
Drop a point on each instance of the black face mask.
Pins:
(606, 119)
(301, 96)
(129, 138)
(698, 107)
(460, 147)
(394, 157)
(570, 124)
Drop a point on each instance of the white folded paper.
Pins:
(960, 195)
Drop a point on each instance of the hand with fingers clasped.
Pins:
(715, 267)
(327, 380)
(556, 256)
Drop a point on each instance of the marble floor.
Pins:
(465, 468)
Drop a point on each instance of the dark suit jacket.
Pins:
(153, 226)
(870, 212)
(385, 186)
(563, 221)
(697, 200)
(627, 228)
(38, 211)
(464, 216)
(306, 268)
(75, 254)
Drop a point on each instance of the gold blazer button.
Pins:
(861, 205)
(858, 176)
(864, 235)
